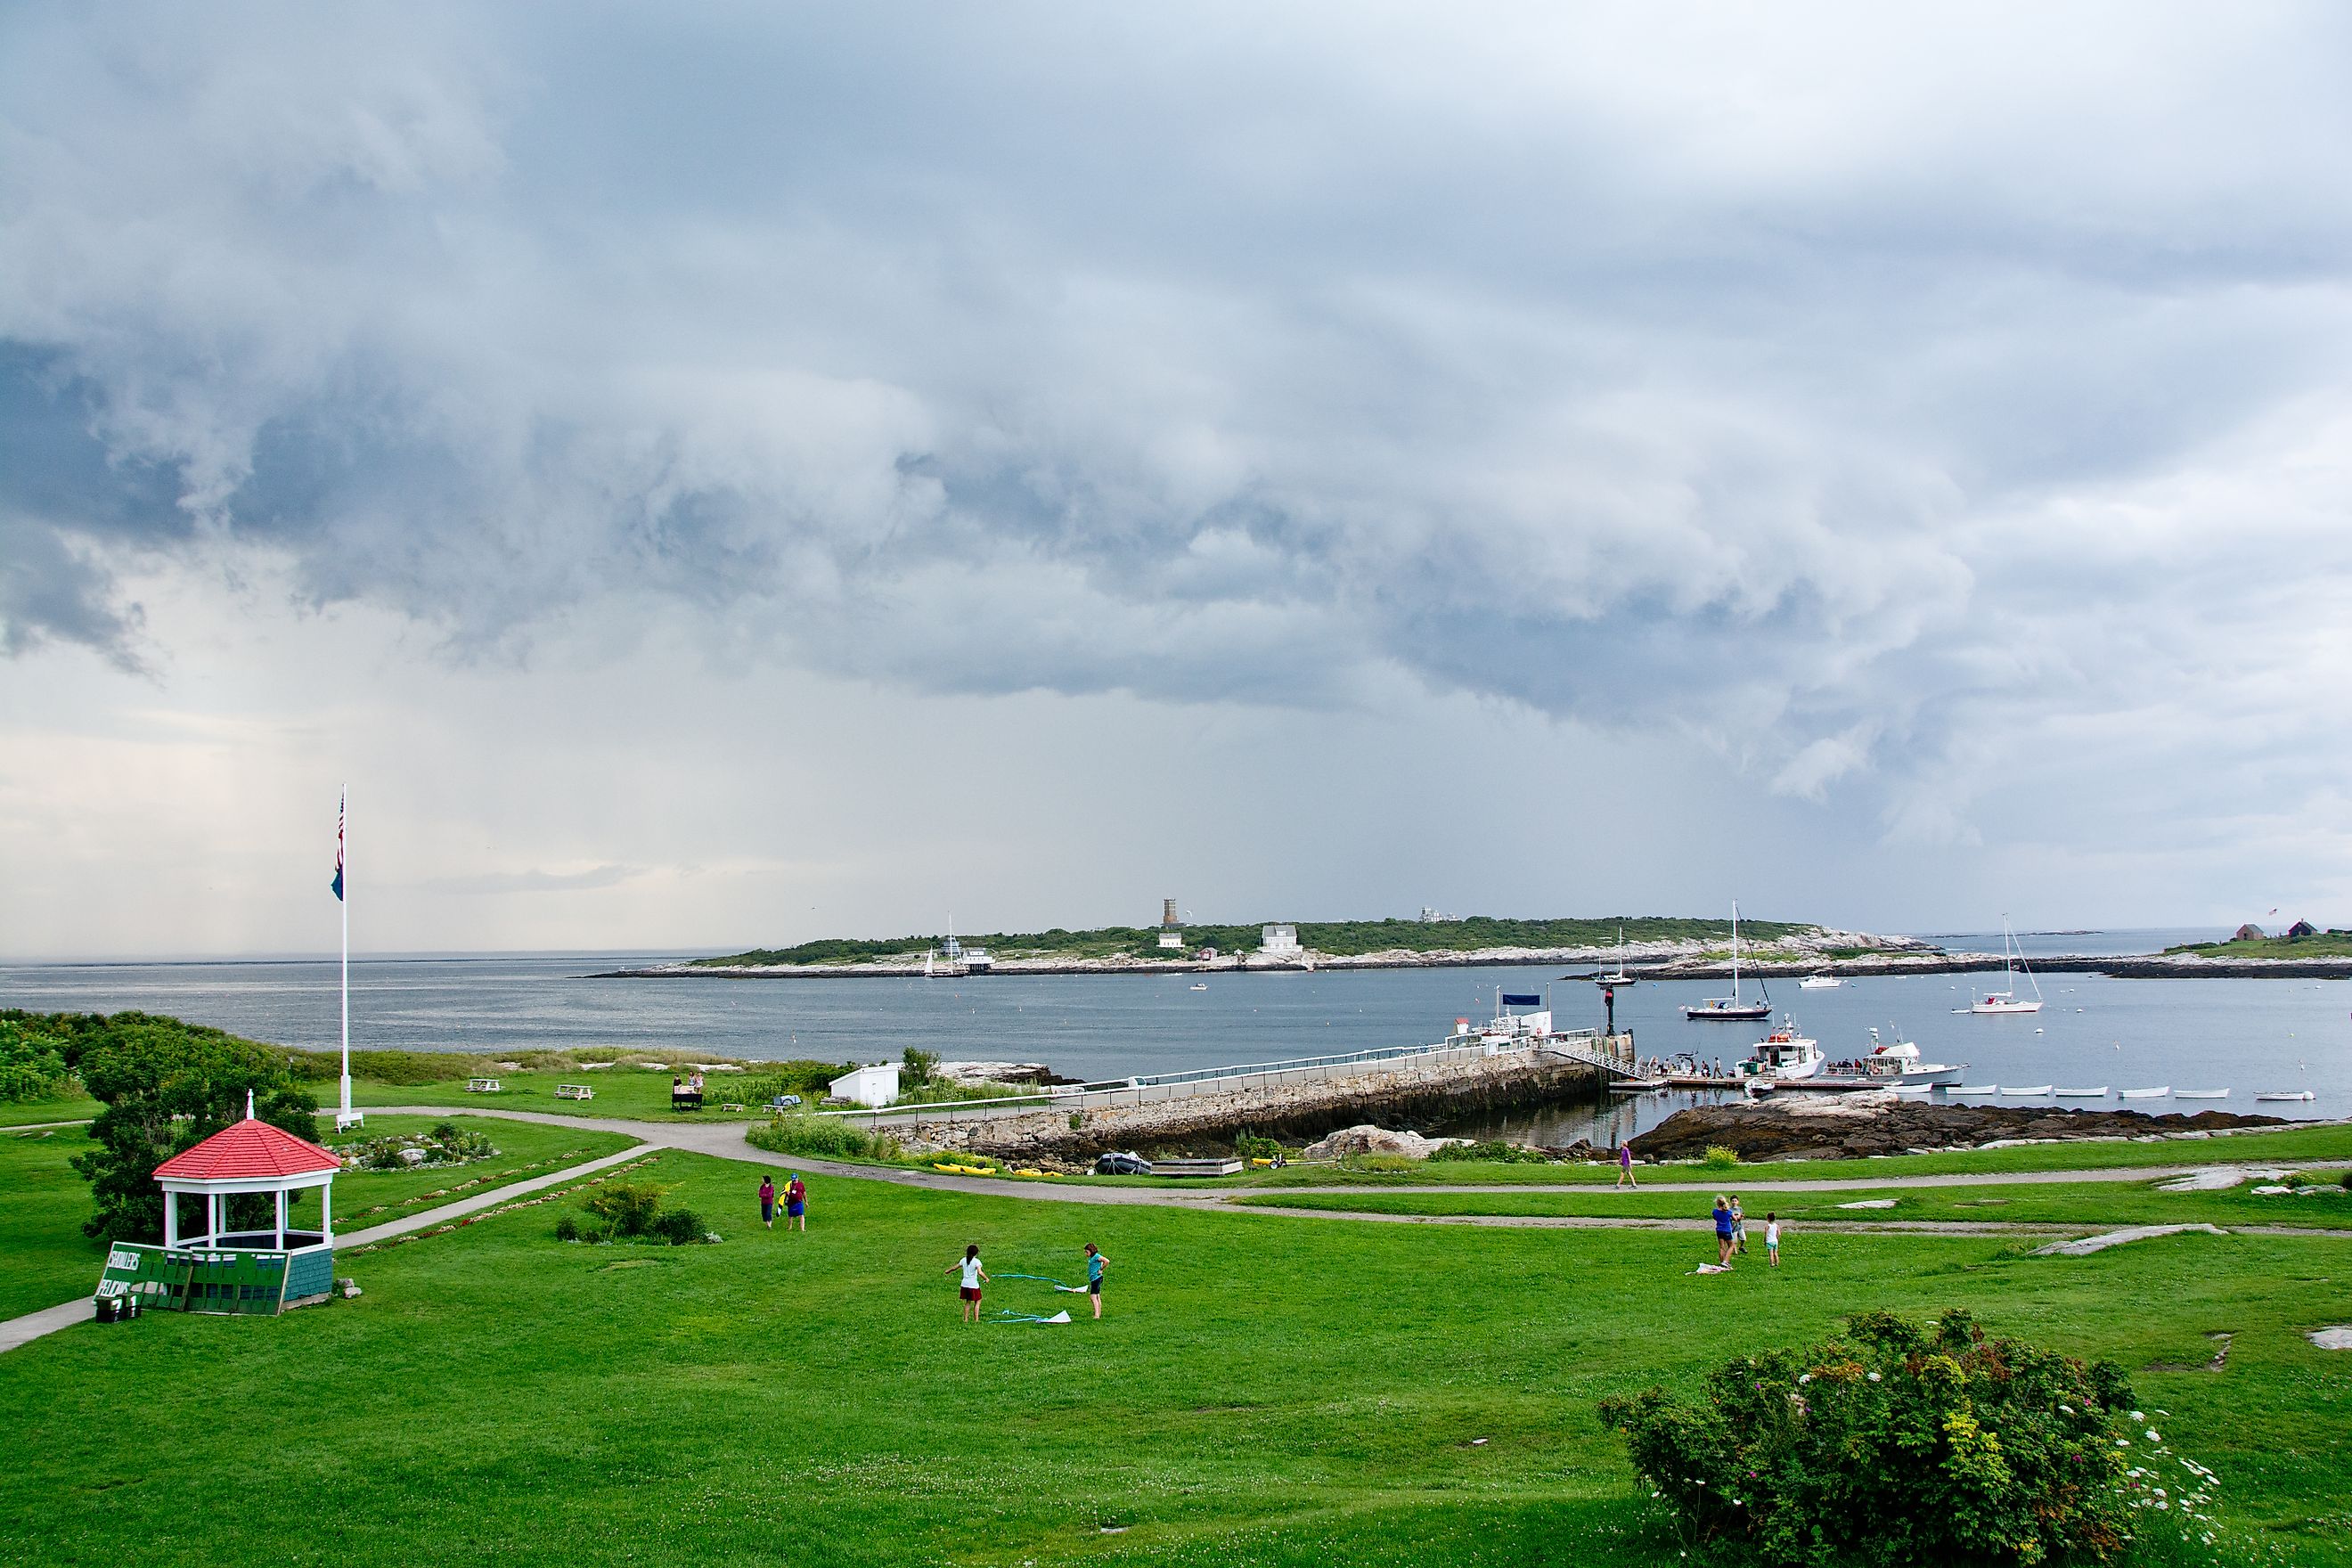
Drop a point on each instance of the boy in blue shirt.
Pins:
(1095, 1262)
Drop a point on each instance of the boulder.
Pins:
(1366, 1139)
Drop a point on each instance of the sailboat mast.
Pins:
(1735, 953)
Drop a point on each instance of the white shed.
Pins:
(875, 1085)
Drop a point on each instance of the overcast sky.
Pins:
(715, 475)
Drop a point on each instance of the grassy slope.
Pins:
(45, 1258)
(620, 1091)
(27, 1113)
(2082, 1203)
(2328, 944)
(1265, 1391)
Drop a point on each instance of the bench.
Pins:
(483, 1086)
(1196, 1167)
(575, 1091)
(686, 1099)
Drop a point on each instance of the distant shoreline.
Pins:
(2133, 966)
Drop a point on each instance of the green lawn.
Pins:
(28, 1112)
(2103, 1203)
(624, 1090)
(45, 1258)
(1266, 1390)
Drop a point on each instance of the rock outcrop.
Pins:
(1366, 1139)
(1838, 1126)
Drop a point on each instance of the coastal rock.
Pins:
(1822, 1127)
(1000, 1072)
(1368, 1139)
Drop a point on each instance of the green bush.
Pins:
(567, 1228)
(628, 1206)
(822, 1136)
(1494, 1152)
(1718, 1158)
(32, 1063)
(808, 1079)
(596, 1235)
(679, 1227)
(1250, 1146)
(1897, 1443)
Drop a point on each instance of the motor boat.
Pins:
(1825, 981)
(1896, 1063)
(1782, 1056)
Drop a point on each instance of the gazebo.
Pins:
(217, 1268)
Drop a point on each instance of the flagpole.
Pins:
(343, 1118)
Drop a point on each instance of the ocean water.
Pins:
(2248, 1036)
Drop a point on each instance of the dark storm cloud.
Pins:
(1833, 388)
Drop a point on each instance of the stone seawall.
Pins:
(1382, 1091)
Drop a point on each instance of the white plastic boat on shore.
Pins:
(2157, 1093)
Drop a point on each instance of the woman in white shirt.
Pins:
(973, 1277)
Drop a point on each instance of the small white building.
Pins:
(1279, 942)
(876, 1086)
(1172, 942)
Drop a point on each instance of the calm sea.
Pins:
(2248, 1036)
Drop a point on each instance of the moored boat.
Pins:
(1722, 1008)
(1782, 1056)
(2011, 960)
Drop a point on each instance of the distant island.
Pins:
(2298, 942)
(1684, 944)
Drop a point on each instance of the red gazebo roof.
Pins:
(251, 1148)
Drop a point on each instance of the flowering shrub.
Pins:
(1896, 1444)
(1718, 1158)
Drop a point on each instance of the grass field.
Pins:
(620, 1091)
(1266, 1390)
(31, 1112)
(46, 1260)
(2105, 1203)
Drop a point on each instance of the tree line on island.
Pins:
(1339, 938)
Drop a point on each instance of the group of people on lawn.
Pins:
(1731, 1232)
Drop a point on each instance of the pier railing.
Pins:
(1585, 1045)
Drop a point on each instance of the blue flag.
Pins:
(337, 883)
(1510, 999)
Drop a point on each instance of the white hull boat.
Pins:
(2098, 1093)
(2297, 1095)
(2011, 961)
(1819, 983)
(2200, 1094)
(2035, 1092)
(1976, 1088)
(1723, 1009)
(1783, 1055)
(2157, 1093)
(1896, 1063)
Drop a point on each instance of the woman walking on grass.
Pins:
(1625, 1166)
(1722, 1230)
(796, 1203)
(974, 1276)
(768, 1202)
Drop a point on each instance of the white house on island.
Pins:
(1280, 941)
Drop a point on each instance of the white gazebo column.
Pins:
(326, 1219)
(281, 1219)
(171, 1219)
(212, 1216)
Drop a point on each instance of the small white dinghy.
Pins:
(2200, 1094)
(2158, 1092)
(2289, 1094)
(1976, 1088)
(2025, 1093)
(2098, 1093)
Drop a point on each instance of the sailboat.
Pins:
(1620, 977)
(1732, 1007)
(2013, 959)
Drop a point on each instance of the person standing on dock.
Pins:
(1625, 1165)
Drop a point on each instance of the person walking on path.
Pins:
(796, 1203)
(974, 1276)
(1095, 1263)
(1625, 1166)
(1739, 1228)
(1723, 1234)
(768, 1202)
(1772, 1238)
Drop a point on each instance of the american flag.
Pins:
(337, 883)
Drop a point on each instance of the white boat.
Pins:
(952, 960)
(2098, 1093)
(2011, 961)
(1198, 985)
(1783, 1055)
(2030, 1093)
(1620, 977)
(2158, 1092)
(1822, 982)
(2288, 1094)
(2200, 1094)
(1976, 1088)
(1897, 1062)
(1731, 1007)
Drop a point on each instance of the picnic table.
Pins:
(575, 1091)
(483, 1086)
